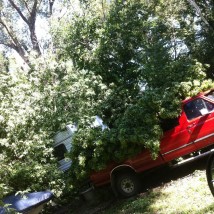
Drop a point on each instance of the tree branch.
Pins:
(26, 5)
(32, 17)
(18, 10)
(198, 10)
(30, 22)
(14, 44)
(9, 32)
(51, 2)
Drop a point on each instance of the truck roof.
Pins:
(198, 95)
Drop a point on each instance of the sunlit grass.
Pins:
(187, 195)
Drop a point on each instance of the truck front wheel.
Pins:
(127, 184)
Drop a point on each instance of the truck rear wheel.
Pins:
(127, 184)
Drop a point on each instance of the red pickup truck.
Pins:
(189, 135)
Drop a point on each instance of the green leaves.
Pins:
(128, 62)
(141, 52)
(35, 105)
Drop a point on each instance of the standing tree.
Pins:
(18, 25)
(201, 39)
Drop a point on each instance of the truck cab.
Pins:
(192, 133)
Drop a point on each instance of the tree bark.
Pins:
(31, 21)
(14, 42)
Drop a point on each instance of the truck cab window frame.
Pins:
(194, 108)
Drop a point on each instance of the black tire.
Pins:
(127, 184)
(210, 173)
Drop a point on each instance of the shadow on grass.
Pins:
(106, 203)
(166, 174)
(139, 204)
(143, 203)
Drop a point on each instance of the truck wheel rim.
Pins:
(127, 185)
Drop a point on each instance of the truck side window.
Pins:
(193, 108)
(210, 106)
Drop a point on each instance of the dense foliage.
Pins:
(34, 106)
(142, 55)
(129, 62)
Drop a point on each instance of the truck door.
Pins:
(200, 116)
(176, 141)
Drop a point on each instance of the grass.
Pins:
(181, 190)
(187, 195)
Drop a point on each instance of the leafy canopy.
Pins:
(129, 62)
(35, 105)
(141, 53)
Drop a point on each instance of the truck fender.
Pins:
(119, 169)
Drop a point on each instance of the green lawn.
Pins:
(186, 195)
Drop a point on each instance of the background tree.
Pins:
(200, 41)
(130, 62)
(18, 25)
